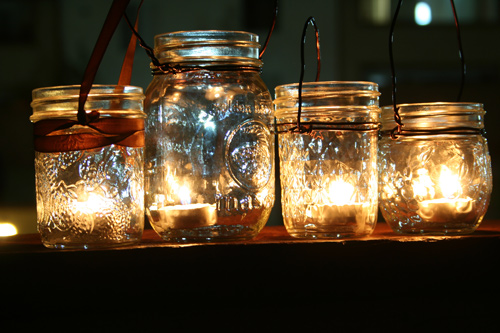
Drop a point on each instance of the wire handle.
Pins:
(271, 29)
(300, 128)
(397, 118)
(167, 68)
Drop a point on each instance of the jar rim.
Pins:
(208, 47)
(435, 106)
(201, 35)
(110, 100)
(327, 87)
(73, 91)
(431, 116)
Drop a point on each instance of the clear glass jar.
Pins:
(435, 177)
(329, 172)
(89, 179)
(209, 166)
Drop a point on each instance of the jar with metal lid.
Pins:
(209, 165)
(89, 177)
(328, 161)
(435, 172)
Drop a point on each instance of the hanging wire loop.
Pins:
(460, 51)
(397, 118)
(302, 128)
(174, 69)
(271, 29)
(398, 130)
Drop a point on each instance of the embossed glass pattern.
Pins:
(209, 148)
(91, 197)
(329, 173)
(438, 182)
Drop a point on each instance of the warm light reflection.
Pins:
(184, 194)
(94, 204)
(214, 93)
(423, 185)
(7, 229)
(341, 192)
(449, 183)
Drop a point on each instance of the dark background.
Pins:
(48, 42)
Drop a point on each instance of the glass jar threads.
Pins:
(89, 177)
(209, 166)
(328, 163)
(435, 176)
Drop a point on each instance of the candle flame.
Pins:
(341, 192)
(184, 195)
(449, 183)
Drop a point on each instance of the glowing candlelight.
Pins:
(87, 211)
(341, 208)
(186, 215)
(448, 208)
(94, 204)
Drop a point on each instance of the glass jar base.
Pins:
(211, 234)
(89, 245)
(434, 231)
(330, 234)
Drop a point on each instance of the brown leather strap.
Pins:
(115, 14)
(55, 135)
(90, 130)
(126, 71)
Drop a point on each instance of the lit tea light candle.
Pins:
(446, 210)
(86, 211)
(327, 214)
(451, 207)
(186, 215)
(341, 210)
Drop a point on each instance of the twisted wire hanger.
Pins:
(398, 130)
(301, 128)
(172, 69)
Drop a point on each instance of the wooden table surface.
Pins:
(30, 243)
(273, 283)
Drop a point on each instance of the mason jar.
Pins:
(209, 165)
(89, 177)
(328, 162)
(435, 176)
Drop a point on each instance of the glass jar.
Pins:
(329, 170)
(89, 178)
(209, 165)
(435, 177)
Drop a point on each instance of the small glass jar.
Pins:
(435, 176)
(209, 165)
(329, 170)
(89, 178)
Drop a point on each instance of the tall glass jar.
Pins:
(209, 145)
(435, 176)
(89, 178)
(329, 169)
